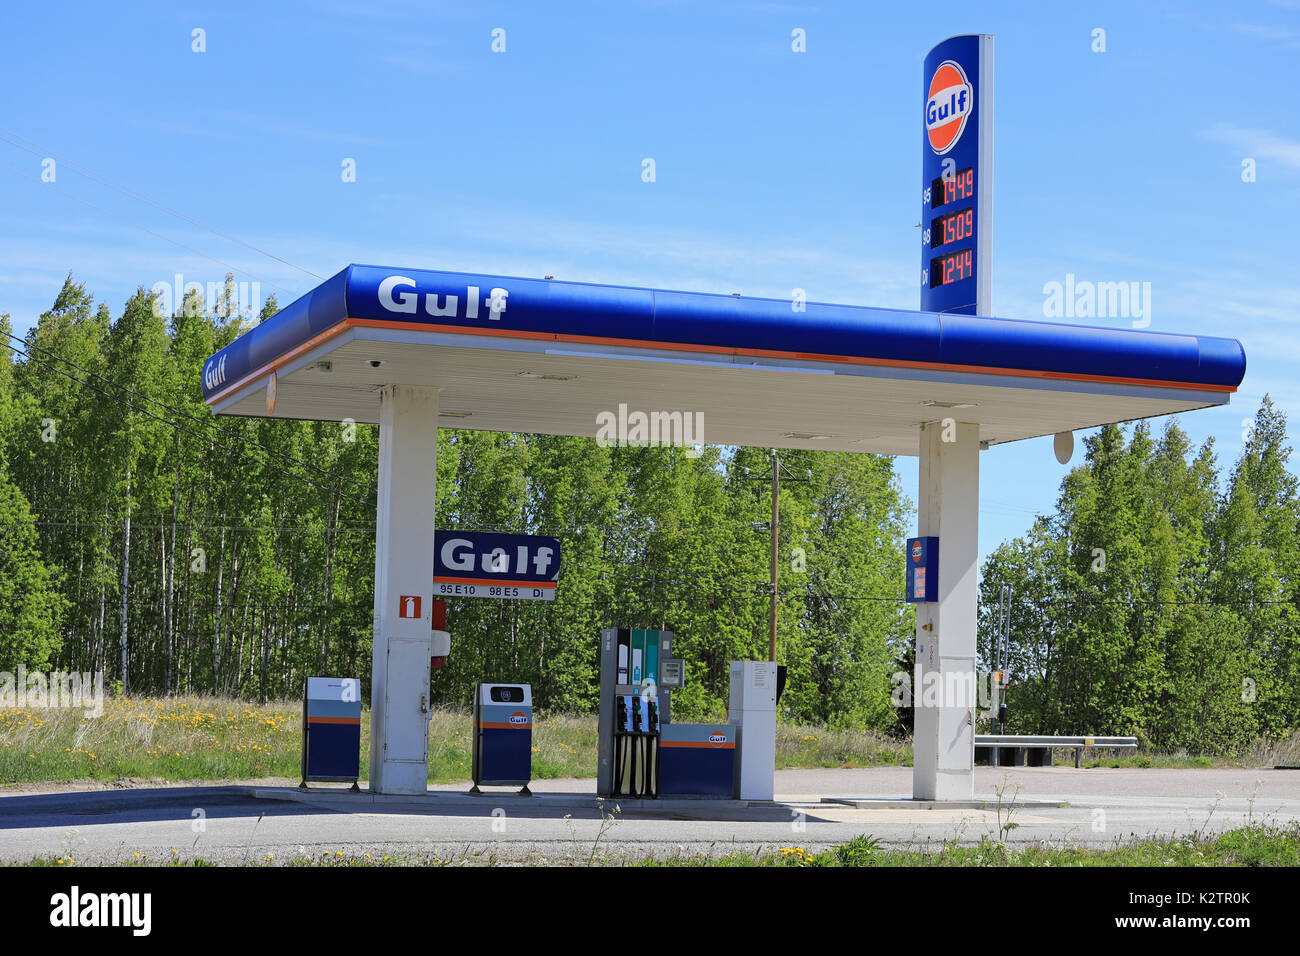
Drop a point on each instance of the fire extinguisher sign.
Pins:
(408, 605)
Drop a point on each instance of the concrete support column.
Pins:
(944, 697)
(408, 461)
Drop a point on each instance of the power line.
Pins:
(180, 428)
(646, 572)
(103, 180)
(136, 225)
(207, 423)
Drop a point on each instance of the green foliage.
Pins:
(1153, 604)
(236, 556)
(30, 604)
(31, 607)
(860, 851)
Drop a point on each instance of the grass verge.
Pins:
(1254, 845)
(205, 738)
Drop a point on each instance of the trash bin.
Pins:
(503, 735)
(331, 730)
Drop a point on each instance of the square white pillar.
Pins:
(399, 688)
(943, 694)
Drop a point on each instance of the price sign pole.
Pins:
(957, 177)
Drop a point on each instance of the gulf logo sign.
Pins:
(518, 718)
(916, 553)
(717, 739)
(949, 105)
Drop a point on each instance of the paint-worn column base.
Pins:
(399, 716)
(944, 689)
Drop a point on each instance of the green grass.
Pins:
(1255, 845)
(187, 738)
(203, 738)
(800, 745)
(1126, 759)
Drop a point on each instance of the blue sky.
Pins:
(775, 170)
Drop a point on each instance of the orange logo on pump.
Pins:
(408, 605)
(518, 718)
(916, 552)
(717, 738)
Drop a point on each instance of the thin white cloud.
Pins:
(1267, 31)
(236, 124)
(421, 64)
(1259, 144)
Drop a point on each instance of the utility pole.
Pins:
(775, 528)
(1004, 653)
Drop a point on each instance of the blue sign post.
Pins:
(922, 570)
(957, 177)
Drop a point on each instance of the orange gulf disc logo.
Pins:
(916, 552)
(518, 718)
(949, 105)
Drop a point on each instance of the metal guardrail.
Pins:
(1051, 740)
(997, 742)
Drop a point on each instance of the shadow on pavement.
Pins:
(98, 807)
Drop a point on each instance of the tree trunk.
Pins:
(216, 635)
(331, 541)
(243, 634)
(126, 576)
(169, 578)
(262, 682)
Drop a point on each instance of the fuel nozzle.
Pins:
(638, 718)
(652, 716)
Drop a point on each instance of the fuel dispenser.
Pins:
(503, 736)
(636, 745)
(633, 706)
(642, 753)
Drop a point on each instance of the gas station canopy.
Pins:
(543, 356)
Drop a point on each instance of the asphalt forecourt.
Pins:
(273, 823)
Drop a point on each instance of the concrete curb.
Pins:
(908, 803)
(445, 800)
(440, 799)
